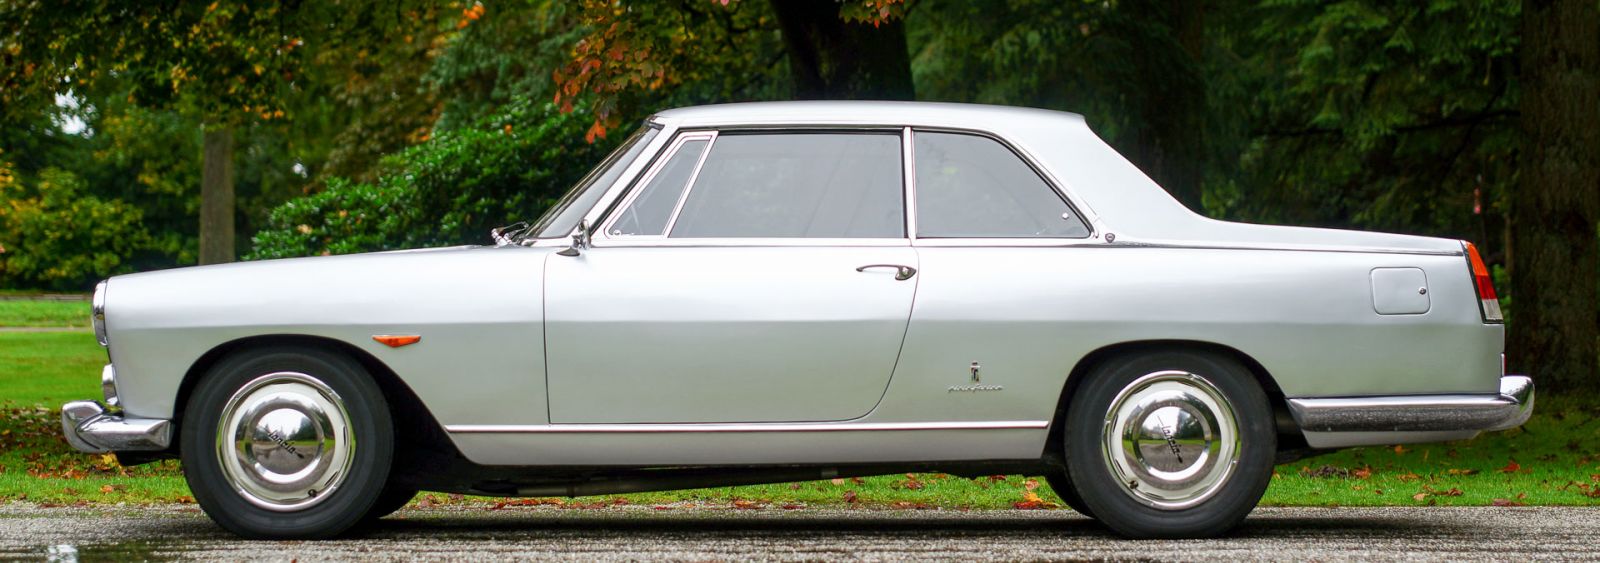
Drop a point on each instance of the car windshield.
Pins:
(565, 214)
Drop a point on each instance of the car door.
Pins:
(746, 277)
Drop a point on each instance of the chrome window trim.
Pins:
(694, 177)
(641, 242)
(670, 129)
(647, 159)
(745, 427)
(649, 175)
(908, 162)
(1091, 222)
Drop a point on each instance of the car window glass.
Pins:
(649, 212)
(811, 185)
(564, 216)
(972, 186)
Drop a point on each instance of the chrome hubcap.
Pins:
(1171, 439)
(285, 442)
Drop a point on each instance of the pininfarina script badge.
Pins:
(977, 383)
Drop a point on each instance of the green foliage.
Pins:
(56, 236)
(1376, 115)
(449, 190)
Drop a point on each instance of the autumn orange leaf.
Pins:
(1511, 467)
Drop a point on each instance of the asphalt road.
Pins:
(632, 533)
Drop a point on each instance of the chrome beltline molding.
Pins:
(752, 427)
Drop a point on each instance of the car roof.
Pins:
(842, 112)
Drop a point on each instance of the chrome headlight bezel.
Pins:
(97, 314)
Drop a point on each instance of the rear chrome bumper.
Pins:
(89, 428)
(1349, 421)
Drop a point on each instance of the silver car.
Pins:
(771, 292)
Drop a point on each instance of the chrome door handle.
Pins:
(901, 273)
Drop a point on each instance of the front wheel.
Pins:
(287, 443)
(1173, 444)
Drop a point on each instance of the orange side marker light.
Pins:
(396, 340)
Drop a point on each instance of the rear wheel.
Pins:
(287, 443)
(1172, 444)
(1069, 495)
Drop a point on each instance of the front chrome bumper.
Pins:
(1342, 421)
(89, 428)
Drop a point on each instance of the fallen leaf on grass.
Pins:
(838, 481)
(742, 504)
(1408, 476)
(1507, 502)
(1362, 473)
(1452, 492)
(1029, 501)
(850, 497)
(793, 506)
(1400, 449)
(1030, 484)
(1324, 471)
(1461, 471)
(1511, 467)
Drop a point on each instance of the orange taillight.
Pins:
(1488, 303)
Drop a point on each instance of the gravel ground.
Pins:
(631, 533)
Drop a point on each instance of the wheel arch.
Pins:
(424, 431)
(1290, 439)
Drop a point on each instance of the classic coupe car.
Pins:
(770, 292)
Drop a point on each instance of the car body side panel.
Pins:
(1028, 315)
(478, 310)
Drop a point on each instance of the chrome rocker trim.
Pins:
(90, 429)
(1469, 414)
(743, 427)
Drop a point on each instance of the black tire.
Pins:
(347, 499)
(1068, 494)
(1117, 504)
(392, 499)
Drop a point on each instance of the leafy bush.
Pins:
(53, 235)
(449, 190)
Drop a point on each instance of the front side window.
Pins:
(796, 185)
(650, 211)
(974, 187)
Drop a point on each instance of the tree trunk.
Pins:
(1168, 143)
(216, 197)
(1554, 322)
(832, 59)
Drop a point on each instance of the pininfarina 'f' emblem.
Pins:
(977, 382)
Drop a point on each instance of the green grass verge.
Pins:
(1553, 460)
(44, 313)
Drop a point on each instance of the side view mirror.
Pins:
(580, 240)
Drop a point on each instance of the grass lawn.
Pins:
(44, 313)
(1554, 460)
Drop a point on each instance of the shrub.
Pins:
(449, 190)
(53, 235)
